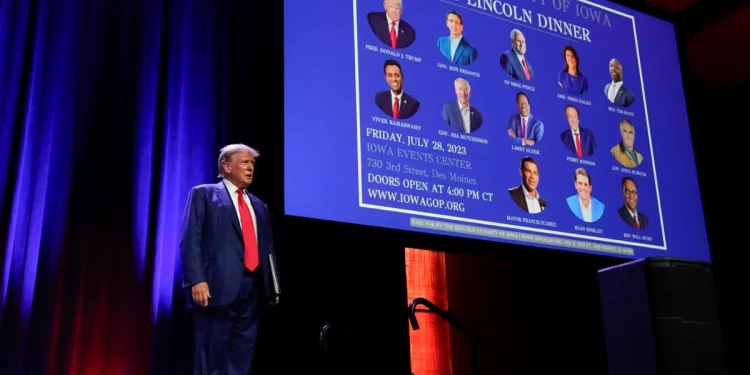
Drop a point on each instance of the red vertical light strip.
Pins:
(430, 345)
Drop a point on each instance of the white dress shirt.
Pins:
(586, 211)
(614, 87)
(454, 45)
(465, 116)
(520, 58)
(532, 203)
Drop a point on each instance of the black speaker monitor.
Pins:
(660, 318)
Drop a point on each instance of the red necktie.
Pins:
(578, 146)
(526, 70)
(635, 219)
(523, 128)
(248, 233)
(393, 34)
(395, 107)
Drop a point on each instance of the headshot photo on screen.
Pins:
(526, 195)
(625, 152)
(395, 102)
(514, 61)
(571, 79)
(389, 27)
(616, 91)
(579, 140)
(455, 47)
(628, 212)
(523, 127)
(460, 114)
(583, 205)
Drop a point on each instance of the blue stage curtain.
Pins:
(109, 112)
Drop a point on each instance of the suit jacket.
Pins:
(465, 52)
(511, 65)
(534, 128)
(597, 208)
(624, 97)
(625, 215)
(379, 25)
(452, 115)
(622, 157)
(409, 105)
(516, 193)
(211, 245)
(588, 142)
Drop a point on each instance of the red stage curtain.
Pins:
(430, 345)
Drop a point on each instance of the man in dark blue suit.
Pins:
(455, 47)
(628, 212)
(395, 102)
(524, 128)
(225, 245)
(389, 27)
(514, 62)
(459, 114)
(616, 91)
(577, 139)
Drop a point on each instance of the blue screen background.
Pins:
(321, 164)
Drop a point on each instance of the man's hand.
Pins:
(275, 301)
(511, 133)
(200, 293)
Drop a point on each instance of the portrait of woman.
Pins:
(571, 79)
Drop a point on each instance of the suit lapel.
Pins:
(620, 94)
(456, 111)
(385, 103)
(585, 141)
(226, 201)
(445, 47)
(518, 65)
(458, 121)
(405, 104)
(459, 50)
(400, 40)
(523, 202)
(570, 140)
(473, 119)
(259, 217)
(577, 208)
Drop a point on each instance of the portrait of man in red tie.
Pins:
(514, 62)
(524, 128)
(628, 212)
(395, 102)
(228, 264)
(579, 140)
(389, 27)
